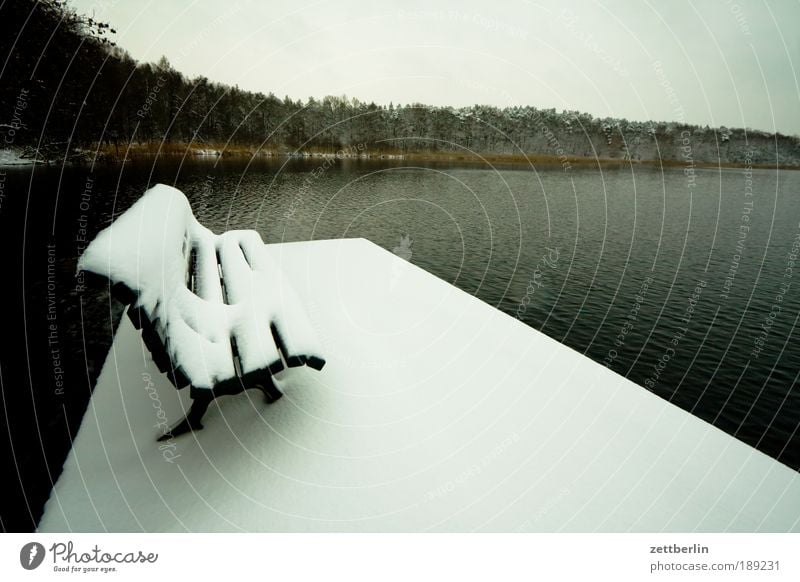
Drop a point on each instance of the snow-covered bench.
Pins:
(215, 311)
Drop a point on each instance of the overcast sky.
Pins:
(714, 62)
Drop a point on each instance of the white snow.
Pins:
(11, 157)
(148, 248)
(434, 412)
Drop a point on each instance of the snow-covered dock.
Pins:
(434, 412)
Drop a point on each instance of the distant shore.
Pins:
(118, 153)
(360, 151)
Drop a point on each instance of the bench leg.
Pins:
(271, 392)
(193, 419)
(200, 402)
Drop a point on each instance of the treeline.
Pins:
(66, 85)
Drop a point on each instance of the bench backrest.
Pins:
(214, 309)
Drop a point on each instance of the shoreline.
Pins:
(351, 152)
(119, 154)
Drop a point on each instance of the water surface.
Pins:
(686, 285)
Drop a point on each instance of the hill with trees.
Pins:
(67, 86)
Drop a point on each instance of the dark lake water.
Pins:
(686, 285)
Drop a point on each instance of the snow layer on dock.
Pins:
(434, 412)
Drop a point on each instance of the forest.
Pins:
(66, 87)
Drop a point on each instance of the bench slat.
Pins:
(215, 311)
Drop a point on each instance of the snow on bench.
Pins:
(215, 311)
